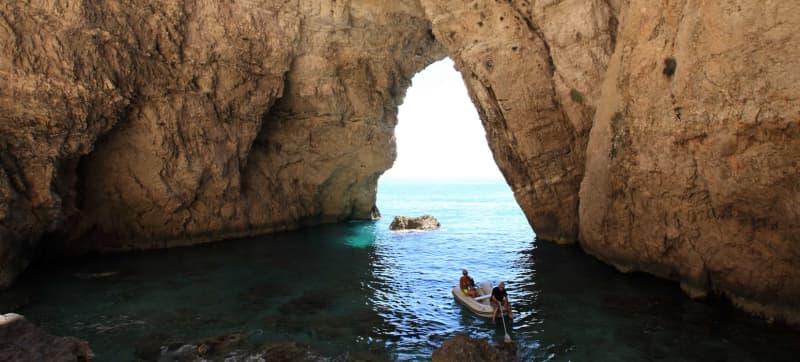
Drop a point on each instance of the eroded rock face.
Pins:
(282, 121)
(693, 171)
(424, 222)
(531, 78)
(149, 124)
(664, 137)
(692, 165)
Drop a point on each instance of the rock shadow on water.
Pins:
(227, 347)
(212, 348)
(662, 327)
(313, 323)
(234, 347)
(260, 293)
(14, 300)
(290, 351)
(287, 351)
(148, 348)
(301, 313)
(311, 302)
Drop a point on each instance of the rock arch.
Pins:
(137, 124)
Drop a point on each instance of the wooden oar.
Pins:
(487, 296)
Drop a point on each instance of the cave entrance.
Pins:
(444, 166)
(439, 133)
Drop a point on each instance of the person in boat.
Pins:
(467, 284)
(500, 300)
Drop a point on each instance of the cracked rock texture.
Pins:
(530, 69)
(663, 136)
(149, 124)
(424, 222)
(694, 174)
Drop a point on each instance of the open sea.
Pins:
(361, 292)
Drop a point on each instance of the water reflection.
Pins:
(588, 311)
(313, 286)
(359, 290)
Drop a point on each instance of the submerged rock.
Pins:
(95, 275)
(149, 347)
(218, 346)
(289, 352)
(465, 348)
(214, 348)
(21, 340)
(424, 222)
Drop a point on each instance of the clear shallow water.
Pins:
(359, 290)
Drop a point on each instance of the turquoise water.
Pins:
(358, 290)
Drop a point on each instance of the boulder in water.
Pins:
(465, 348)
(21, 340)
(424, 222)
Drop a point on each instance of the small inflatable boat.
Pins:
(479, 305)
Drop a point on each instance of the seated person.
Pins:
(467, 285)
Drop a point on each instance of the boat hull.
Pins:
(482, 306)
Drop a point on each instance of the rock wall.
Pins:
(693, 167)
(285, 120)
(664, 136)
(690, 171)
(149, 124)
(531, 78)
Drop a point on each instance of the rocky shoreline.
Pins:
(21, 340)
(662, 137)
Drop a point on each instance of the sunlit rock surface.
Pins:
(662, 136)
(424, 222)
(693, 163)
(139, 124)
(532, 79)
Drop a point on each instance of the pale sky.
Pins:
(439, 134)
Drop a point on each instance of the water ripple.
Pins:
(358, 290)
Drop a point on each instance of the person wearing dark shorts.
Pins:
(500, 297)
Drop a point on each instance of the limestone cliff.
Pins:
(693, 167)
(531, 78)
(149, 124)
(664, 136)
